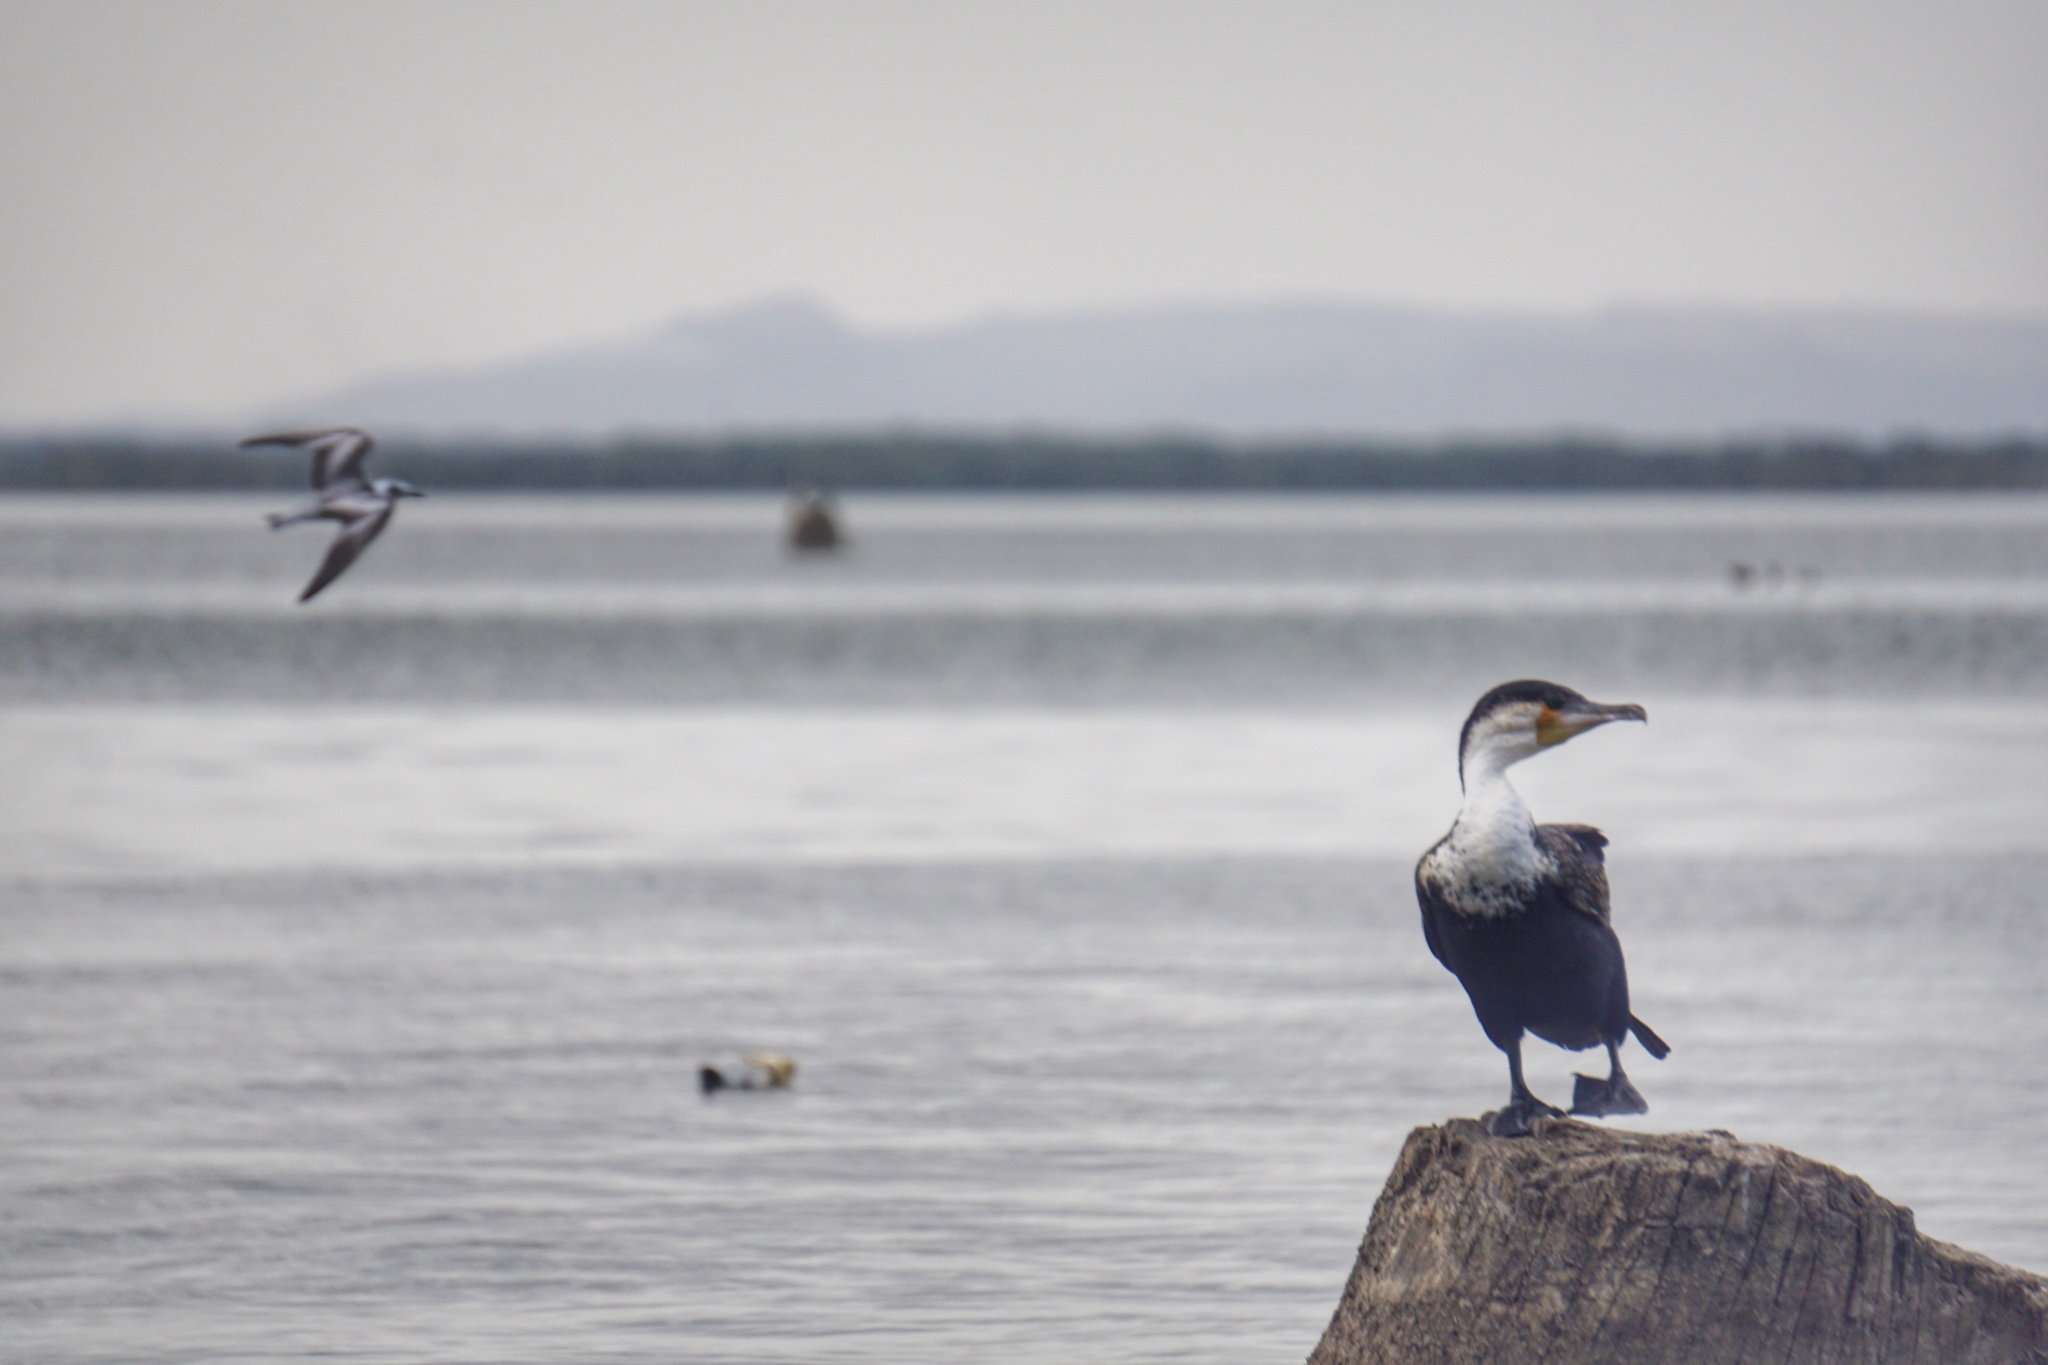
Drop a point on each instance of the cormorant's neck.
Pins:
(1495, 835)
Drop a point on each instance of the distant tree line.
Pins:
(938, 461)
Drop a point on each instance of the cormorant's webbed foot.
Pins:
(1597, 1098)
(1514, 1120)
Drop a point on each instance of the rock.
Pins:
(1581, 1245)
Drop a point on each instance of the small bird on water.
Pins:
(1518, 911)
(341, 493)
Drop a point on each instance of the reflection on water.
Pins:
(357, 958)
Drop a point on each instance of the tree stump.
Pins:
(1581, 1245)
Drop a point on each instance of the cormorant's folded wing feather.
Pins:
(1581, 877)
(1590, 840)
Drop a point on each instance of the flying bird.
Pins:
(1518, 911)
(341, 493)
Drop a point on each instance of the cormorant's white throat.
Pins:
(1489, 861)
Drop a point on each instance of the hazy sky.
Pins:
(204, 206)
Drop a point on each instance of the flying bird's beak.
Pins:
(1557, 726)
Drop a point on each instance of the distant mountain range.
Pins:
(1288, 369)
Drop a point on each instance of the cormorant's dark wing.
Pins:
(1581, 879)
(1433, 906)
(338, 453)
(353, 539)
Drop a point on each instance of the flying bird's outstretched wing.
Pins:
(338, 453)
(354, 538)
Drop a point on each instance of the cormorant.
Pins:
(1518, 911)
(340, 493)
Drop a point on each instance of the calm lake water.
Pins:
(358, 958)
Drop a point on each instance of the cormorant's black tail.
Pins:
(1647, 1036)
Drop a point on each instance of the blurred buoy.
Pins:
(754, 1071)
(811, 523)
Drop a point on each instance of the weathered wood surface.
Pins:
(1588, 1246)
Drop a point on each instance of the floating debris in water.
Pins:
(811, 523)
(754, 1071)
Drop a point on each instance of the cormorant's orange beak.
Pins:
(1557, 726)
